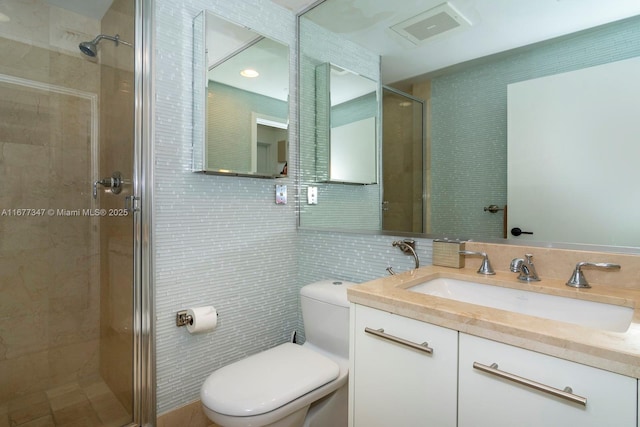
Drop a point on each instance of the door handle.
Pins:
(114, 183)
(517, 231)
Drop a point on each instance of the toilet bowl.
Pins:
(290, 385)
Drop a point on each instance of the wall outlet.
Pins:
(281, 194)
(312, 195)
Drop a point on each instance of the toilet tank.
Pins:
(325, 312)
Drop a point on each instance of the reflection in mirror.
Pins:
(403, 156)
(355, 207)
(346, 103)
(269, 148)
(552, 120)
(241, 96)
(463, 79)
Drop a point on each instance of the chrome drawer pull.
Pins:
(380, 333)
(564, 394)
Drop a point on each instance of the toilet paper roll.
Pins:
(203, 319)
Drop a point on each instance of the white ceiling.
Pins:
(496, 26)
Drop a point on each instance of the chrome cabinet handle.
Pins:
(424, 347)
(566, 394)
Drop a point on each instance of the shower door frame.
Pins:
(144, 384)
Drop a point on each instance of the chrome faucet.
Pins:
(526, 269)
(485, 267)
(408, 246)
(577, 279)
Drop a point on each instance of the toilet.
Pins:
(291, 385)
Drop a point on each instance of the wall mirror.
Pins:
(241, 100)
(346, 104)
(463, 75)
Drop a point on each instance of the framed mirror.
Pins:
(241, 100)
(462, 76)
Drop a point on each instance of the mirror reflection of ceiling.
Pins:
(346, 85)
(480, 27)
(269, 58)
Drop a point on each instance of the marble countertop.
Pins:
(613, 351)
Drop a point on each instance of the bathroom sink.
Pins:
(597, 315)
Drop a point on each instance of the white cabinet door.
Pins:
(487, 400)
(395, 385)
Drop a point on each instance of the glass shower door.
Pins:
(404, 166)
(66, 257)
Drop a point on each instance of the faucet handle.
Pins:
(525, 268)
(516, 264)
(485, 267)
(577, 279)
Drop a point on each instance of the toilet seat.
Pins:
(266, 381)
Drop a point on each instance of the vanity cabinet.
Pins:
(473, 382)
(486, 398)
(395, 379)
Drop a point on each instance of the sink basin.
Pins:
(597, 315)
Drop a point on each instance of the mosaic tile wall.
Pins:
(352, 257)
(469, 114)
(219, 241)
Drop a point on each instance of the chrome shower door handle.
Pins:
(114, 183)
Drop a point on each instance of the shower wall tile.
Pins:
(23, 375)
(218, 240)
(38, 23)
(48, 281)
(22, 60)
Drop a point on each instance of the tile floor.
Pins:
(89, 403)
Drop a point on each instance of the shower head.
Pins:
(91, 48)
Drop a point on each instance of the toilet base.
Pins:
(295, 419)
(331, 410)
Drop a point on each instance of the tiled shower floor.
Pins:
(85, 404)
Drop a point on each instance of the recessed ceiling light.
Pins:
(249, 73)
(4, 18)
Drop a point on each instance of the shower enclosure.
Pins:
(404, 162)
(69, 225)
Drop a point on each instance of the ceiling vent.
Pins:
(427, 25)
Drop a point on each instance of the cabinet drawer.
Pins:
(396, 380)
(492, 397)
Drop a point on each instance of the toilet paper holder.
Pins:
(183, 319)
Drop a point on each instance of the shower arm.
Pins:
(116, 39)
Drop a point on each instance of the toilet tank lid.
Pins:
(331, 291)
(267, 380)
